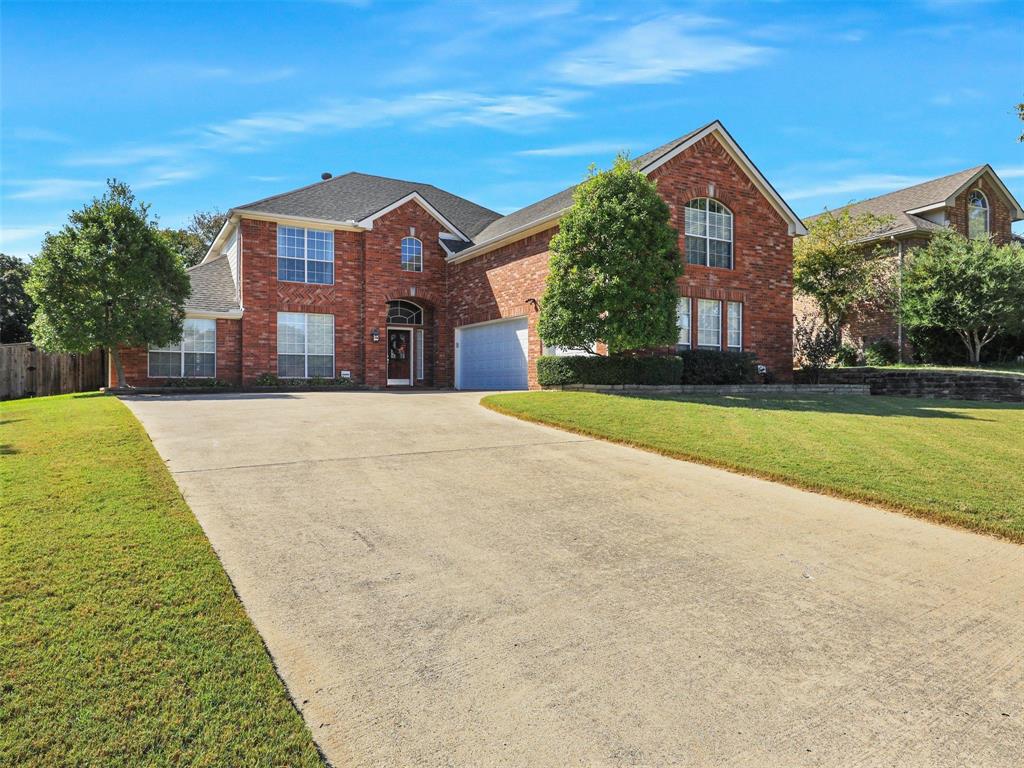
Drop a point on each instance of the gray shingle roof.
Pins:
(896, 204)
(560, 201)
(354, 196)
(213, 289)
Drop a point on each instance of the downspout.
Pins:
(899, 308)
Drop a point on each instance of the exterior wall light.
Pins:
(375, 335)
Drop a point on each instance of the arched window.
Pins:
(412, 254)
(708, 233)
(977, 215)
(404, 313)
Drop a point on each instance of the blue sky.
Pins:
(202, 105)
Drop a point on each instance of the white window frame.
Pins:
(417, 264)
(701, 303)
(707, 238)
(986, 208)
(180, 350)
(305, 254)
(685, 341)
(305, 343)
(738, 327)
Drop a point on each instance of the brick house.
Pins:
(399, 284)
(974, 202)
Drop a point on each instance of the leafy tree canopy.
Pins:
(16, 308)
(108, 279)
(614, 265)
(193, 241)
(832, 265)
(972, 287)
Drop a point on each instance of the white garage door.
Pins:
(492, 355)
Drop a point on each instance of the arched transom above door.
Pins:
(404, 313)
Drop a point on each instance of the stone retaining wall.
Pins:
(955, 385)
(726, 389)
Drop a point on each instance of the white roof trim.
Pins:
(349, 225)
(796, 226)
(416, 197)
(510, 236)
(199, 314)
(1018, 211)
(926, 208)
(218, 241)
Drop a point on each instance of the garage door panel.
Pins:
(494, 355)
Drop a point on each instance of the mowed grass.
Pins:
(953, 461)
(122, 642)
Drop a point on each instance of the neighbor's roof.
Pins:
(213, 289)
(920, 197)
(357, 196)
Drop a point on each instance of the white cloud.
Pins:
(584, 149)
(862, 183)
(52, 189)
(187, 71)
(658, 51)
(23, 240)
(1016, 172)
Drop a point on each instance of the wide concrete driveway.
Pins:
(441, 585)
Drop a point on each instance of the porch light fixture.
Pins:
(375, 335)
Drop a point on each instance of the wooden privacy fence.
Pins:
(27, 371)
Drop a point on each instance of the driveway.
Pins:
(442, 585)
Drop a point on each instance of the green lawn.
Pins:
(955, 461)
(1014, 368)
(122, 642)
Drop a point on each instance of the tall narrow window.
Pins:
(709, 324)
(419, 354)
(412, 254)
(735, 320)
(683, 321)
(708, 233)
(193, 357)
(977, 215)
(305, 255)
(305, 345)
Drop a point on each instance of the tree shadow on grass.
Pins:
(862, 405)
(6, 449)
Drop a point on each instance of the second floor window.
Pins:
(305, 255)
(412, 254)
(708, 233)
(977, 215)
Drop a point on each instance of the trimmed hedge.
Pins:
(557, 371)
(698, 366)
(711, 366)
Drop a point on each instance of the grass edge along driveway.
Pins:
(954, 462)
(122, 642)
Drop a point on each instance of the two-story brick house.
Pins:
(975, 202)
(400, 284)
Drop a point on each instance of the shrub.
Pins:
(847, 356)
(557, 371)
(712, 366)
(881, 352)
(270, 380)
(205, 383)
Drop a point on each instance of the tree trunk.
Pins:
(118, 366)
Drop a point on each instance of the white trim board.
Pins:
(416, 197)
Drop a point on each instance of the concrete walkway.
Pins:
(442, 585)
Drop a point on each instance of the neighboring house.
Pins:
(395, 283)
(974, 202)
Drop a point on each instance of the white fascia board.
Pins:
(218, 242)
(796, 225)
(197, 314)
(1018, 211)
(416, 197)
(301, 221)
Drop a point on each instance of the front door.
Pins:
(399, 356)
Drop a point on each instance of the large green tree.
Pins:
(193, 241)
(614, 265)
(974, 288)
(832, 265)
(16, 307)
(108, 279)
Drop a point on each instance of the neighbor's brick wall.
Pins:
(229, 343)
(1000, 214)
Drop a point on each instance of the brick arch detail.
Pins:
(426, 298)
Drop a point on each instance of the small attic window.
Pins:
(412, 254)
(977, 215)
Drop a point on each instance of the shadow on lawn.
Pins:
(863, 405)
